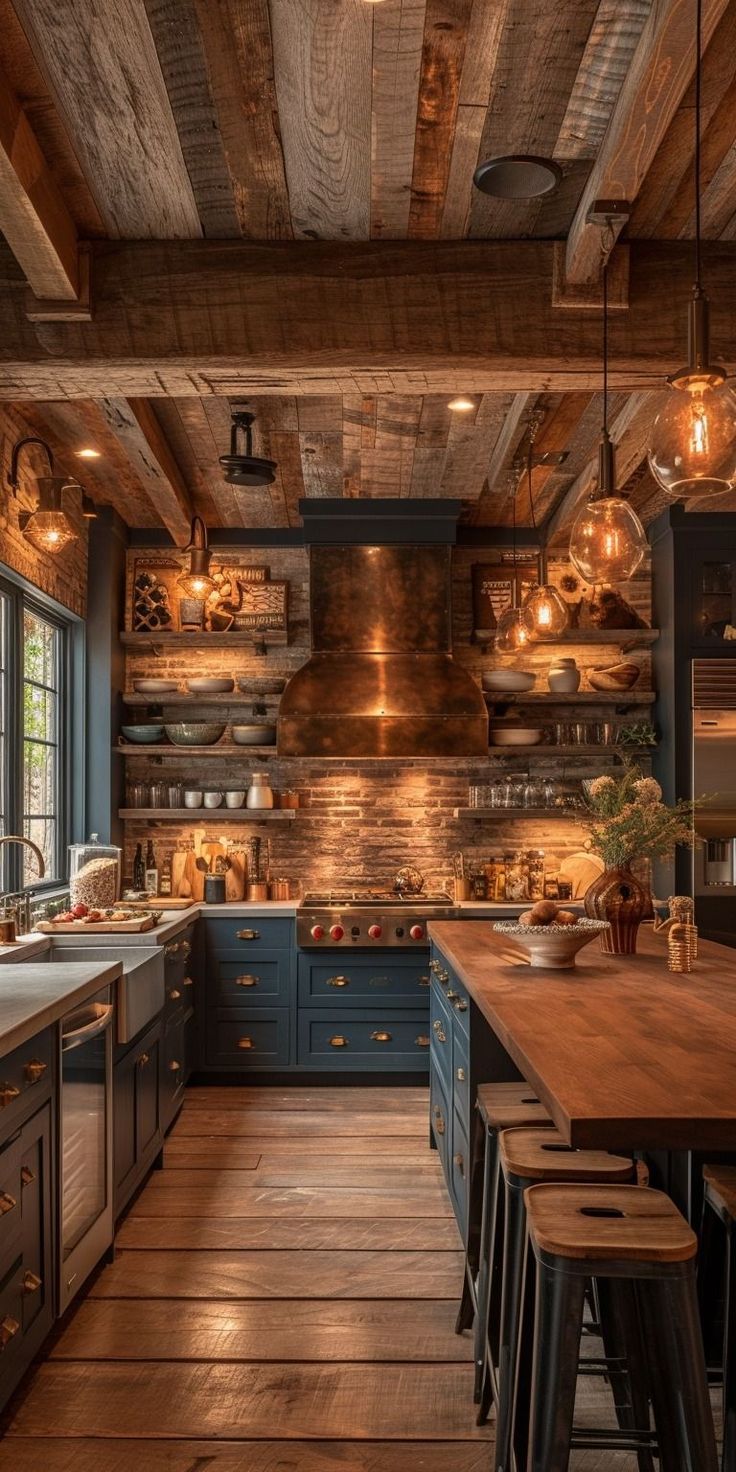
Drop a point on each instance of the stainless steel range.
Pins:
(372, 918)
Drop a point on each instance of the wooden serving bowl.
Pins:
(553, 947)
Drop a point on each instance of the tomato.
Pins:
(79, 911)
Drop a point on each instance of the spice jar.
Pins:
(536, 873)
(517, 881)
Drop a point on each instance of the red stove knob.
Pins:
(317, 932)
(336, 932)
(417, 932)
(375, 932)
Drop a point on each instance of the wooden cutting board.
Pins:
(581, 869)
(94, 927)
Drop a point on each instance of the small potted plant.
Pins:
(627, 820)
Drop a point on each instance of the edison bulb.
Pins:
(49, 531)
(512, 633)
(544, 612)
(195, 584)
(692, 450)
(608, 541)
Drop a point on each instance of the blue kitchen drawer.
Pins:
(441, 1036)
(260, 978)
(247, 1040)
(350, 979)
(459, 1167)
(440, 1120)
(361, 1040)
(249, 932)
(461, 1076)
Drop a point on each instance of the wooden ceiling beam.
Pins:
(661, 69)
(135, 426)
(33, 216)
(238, 319)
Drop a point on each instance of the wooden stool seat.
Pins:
(509, 1106)
(543, 1155)
(602, 1223)
(720, 1186)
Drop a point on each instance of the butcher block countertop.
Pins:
(623, 1053)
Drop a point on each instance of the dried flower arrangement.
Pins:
(627, 820)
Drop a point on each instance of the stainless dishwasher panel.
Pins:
(85, 1133)
(140, 989)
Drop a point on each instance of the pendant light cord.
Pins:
(698, 90)
(605, 344)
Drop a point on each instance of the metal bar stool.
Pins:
(719, 1205)
(526, 1156)
(634, 1240)
(497, 1107)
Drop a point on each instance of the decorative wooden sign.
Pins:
(261, 605)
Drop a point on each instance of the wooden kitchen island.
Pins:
(625, 1055)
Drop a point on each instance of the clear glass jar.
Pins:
(517, 880)
(95, 872)
(536, 873)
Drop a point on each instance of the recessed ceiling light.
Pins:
(461, 404)
(87, 453)
(517, 176)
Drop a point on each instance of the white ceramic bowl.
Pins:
(155, 687)
(210, 686)
(192, 799)
(515, 735)
(254, 735)
(503, 679)
(234, 799)
(553, 947)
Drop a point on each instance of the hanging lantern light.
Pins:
(608, 540)
(512, 633)
(47, 528)
(544, 610)
(692, 450)
(196, 582)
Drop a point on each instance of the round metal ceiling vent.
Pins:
(517, 176)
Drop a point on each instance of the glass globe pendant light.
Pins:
(544, 610)
(195, 581)
(512, 633)
(692, 450)
(608, 540)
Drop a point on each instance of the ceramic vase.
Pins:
(618, 897)
(563, 677)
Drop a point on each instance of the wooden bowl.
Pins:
(553, 947)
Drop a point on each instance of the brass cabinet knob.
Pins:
(459, 1003)
(8, 1330)
(245, 1043)
(174, 995)
(188, 981)
(338, 981)
(174, 1066)
(434, 965)
(439, 1122)
(143, 1060)
(459, 1164)
(34, 1070)
(185, 946)
(247, 935)
(31, 1282)
(27, 1176)
(380, 1037)
(422, 1041)
(424, 981)
(7, 1202)
(451, 995)
(338, 1041)
(8, 1093)
(171, 950)
(247, 980)
(439, 1031)
(461, 1075)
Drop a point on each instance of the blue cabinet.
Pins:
(249, 994)
(370, 979)
(385, 1041)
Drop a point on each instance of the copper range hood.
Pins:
(381, 680)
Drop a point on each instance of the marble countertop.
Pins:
(36, 994)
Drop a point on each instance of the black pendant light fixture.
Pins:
(692, 450)
(241, 467)
(195, 581)
(608, 541)
(48, 528)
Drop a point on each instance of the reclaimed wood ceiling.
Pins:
(344, 121)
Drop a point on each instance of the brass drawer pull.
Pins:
(143, 1060)
(8, 1093)
(174, 1066)
(452, 996)
(27, 1176)
(188, 981)
(247, 980)
(171, 950)
(460, 1004)
(443, 976)
(422, 1041)
(338, 1041)
(8, 1330)
(7, 1202)
(338, 981)
(424, 981)
(34, 1070)
(31, 1282)
(459, 1163)
(174, 995)
(185, 946)
(245, 1043)
(439, 1031)
(380, 1037)
(461, 1075)
(247, 935)
(434, 965)
(439, 1122)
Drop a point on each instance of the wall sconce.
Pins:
(48, 528)
(196, 581)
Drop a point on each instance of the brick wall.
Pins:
(64, 575)
(360, 820)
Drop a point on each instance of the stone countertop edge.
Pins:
(35, 945)
(37, 994)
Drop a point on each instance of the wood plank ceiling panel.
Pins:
(320, 443)
(613, 39)
(479, 63)
(167, 413)
(398, 35)
(445, 37)
(322, 57)
(430, 454)
(539, 56)
(135, 426)
(490, 506)
(469, 445)
(352, 437)
(110, 480)
(178, 40)
(205, 451)
(101, 66)
(387, 463)
(239, 57)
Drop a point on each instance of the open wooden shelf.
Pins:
(219, 815)
(621, 638)
(160, 748)
(569, 813)
(234, 698)
(201, 639)
(581, 697)
(553, 750)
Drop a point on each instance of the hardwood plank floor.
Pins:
(400, 1234)
(270, 1274)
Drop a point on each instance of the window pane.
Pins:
(40, 713)
(4, 776)
(42, 832)
(41, 757)
(40, 645)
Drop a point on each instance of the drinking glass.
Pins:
(176, 795)
(159, 795)
(139, 795)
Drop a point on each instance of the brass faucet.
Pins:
(18, 838)
(20, 911)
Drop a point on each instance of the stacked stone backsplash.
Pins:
(62, 576)
(360, 820)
